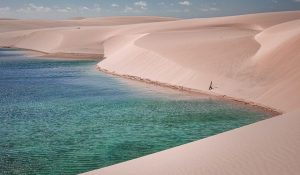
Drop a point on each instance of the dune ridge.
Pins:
(254, 57)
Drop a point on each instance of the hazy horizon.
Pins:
(42, 9)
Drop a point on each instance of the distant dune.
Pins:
(254, 58)
(7, 19)
(77, 18)
(17, 25)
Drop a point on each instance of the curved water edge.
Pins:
(275, 112)
(65, 117)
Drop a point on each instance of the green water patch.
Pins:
(63, 117)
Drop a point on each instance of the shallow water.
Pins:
(64, 117)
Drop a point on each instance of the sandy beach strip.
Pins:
(272, 111)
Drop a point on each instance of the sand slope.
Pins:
(248, 150)
(235, 56)
(252, 57)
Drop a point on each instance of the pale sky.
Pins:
(61, 9)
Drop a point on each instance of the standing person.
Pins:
(210, 86)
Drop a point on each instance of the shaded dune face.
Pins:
(280, 54)
(207, 47)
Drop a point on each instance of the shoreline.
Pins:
(79, 56)
(274, 112)
(59, 55)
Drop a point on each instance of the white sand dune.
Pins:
(255, 58)
(13, 25)
(267, 147)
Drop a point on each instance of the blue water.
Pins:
(64, 117)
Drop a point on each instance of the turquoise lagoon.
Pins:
(65, 117)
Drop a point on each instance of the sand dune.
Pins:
(248, 150)
(13, 25)
(255, 58)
